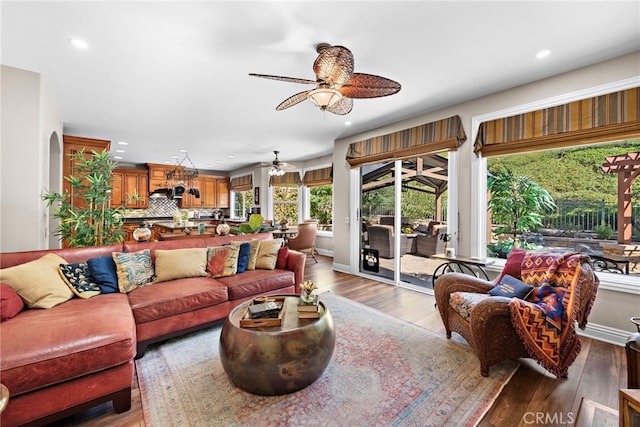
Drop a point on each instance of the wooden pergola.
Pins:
(627, 166)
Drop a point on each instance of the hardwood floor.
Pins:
(532, 394)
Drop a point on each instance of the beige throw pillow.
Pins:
(268, 254)
(180, 264)
(38, 282)
(253, 254)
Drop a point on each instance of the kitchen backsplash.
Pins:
(161, 207)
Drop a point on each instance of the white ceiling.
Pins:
(165, 76)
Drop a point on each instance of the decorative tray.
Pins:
(246, 321)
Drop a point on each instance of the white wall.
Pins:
(618, 69)
(28, 121)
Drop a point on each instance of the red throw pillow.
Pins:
(513, 266)
(283, 254)
(10, 303)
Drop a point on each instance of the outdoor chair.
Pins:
(305, 240)
(431, 243)
(381, 238)
(536, 326)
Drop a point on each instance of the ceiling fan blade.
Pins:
(369, 86)
(293, 100)
(334, 65)
(342, 107)
(284, 79)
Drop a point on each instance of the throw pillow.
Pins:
(10, 303)
(222, 260)
(511, 287)
(513, 266)
(180, 264)
(103, 271)
(268, 254)
(134, 269)
(283, 255)
(244, 248)
(38, 282)
(253, 254)
(78, 278)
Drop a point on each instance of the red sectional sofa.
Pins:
(80, 353)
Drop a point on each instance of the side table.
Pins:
(460, 264)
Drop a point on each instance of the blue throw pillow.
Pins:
(243, 257)
(511, 287)
(103, 271)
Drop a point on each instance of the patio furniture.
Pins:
(381, 238)
(431, 244)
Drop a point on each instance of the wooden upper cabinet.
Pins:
(71, 145)
(158, 175)
(128, 182)
(190, 200)
(208, 192)
(222, 190)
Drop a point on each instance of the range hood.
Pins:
(160, 193)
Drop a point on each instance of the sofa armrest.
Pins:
(295, 263)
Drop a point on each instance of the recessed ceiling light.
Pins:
(231, 157)
(218, 161)
(117, 157)
(122, 143)
(168, 162)
(120, 151)
(543, 53)
(175, 157)
(347, 123)
(79, 43)
(182, 150)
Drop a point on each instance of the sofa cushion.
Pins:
(10, 303)
(510, 287)
(180, 264)
(513, 266)
(253, 254)
(464, 302)
(134, 269)
(165, 299)
(38, 282)
(103, 271)
(283, 255)
(78, 278)
(256, 282)
(244, 248)
(90, 335)
(222, 260)
(268, 254)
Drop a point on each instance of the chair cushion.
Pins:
(464, 302)
(511, 287)
(513, 266)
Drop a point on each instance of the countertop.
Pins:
(188, 224)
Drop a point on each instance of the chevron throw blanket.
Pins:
(546, 322)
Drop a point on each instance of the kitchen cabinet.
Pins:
(190, 200)
(158, 175)
(222, 191)
(128, 182)
(71, 145)
(208, 192)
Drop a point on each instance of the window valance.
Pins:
(446, 134)
(289, 179)
(313, 178)
(610, 117)
(241, 183)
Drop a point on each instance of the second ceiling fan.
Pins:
(336, 83)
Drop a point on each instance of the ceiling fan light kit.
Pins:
(276, 171)
(336, 82)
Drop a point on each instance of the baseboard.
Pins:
(325, 252)
(606, 334)
(343, 268)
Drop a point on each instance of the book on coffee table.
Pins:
(308, 314)
(308, 306)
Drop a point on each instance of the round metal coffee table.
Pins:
(276, 360)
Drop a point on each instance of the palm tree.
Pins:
(517, 203)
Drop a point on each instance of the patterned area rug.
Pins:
(384, 372)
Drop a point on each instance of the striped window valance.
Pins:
(241, 183)
(610, 117)
(313, 178)
(446, 134)
(289, 179)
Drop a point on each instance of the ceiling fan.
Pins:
(277, 167)
(336, 83)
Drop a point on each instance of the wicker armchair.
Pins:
(489, 330)
(381, 239)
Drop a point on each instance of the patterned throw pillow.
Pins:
(253, 254)
(511, 287)
(78, 277)
(38, 282)
(133, 268)
(222, 260)
(268, 254)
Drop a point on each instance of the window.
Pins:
(285, 204)
(241, 203)
(321, 206)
